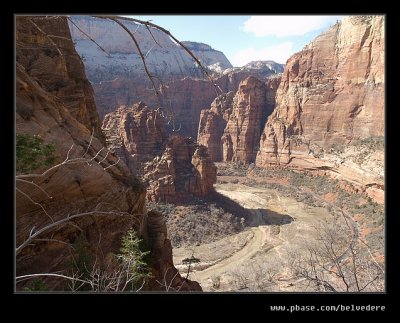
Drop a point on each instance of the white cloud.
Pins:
(278, 53)
(282, 26)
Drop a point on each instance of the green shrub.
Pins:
(31, 153)
(36, 285)
(134, 259)
(83, 259)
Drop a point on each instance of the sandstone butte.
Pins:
(231, 128)
(174, 167)
(332, 96)
(55, 100)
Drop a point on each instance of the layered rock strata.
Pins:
(184, 170)
(54, 101)
(231, 128)
(331, 94)
(175, 168)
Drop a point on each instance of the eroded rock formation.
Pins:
(331, 93)
(136, 134)
(242, 132)
(54, 100)
(212, 125)
(184, 170)
(231, 129)
(175, 168)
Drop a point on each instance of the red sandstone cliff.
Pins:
(242, 132)
(212, 125)
(184, 97)
(136, 134)
(231, 129)
(54, 100)
(331, 94)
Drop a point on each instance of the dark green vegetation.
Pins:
(32, 153)
(127, 271)
(37, 285)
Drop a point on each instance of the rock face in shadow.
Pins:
(331, 94)
(231, 128)
(174, 167)
(136, 134)
(169, 278)
(184, 170)
(54, 100)
(62, 75)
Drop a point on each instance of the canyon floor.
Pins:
(278, 227)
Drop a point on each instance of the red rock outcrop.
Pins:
(212, 125)
(61, 75)
(242, 133)
(185, 169)
(52, 104)
(331, 93)
(231, 128)
(175, 168)
(136, 134)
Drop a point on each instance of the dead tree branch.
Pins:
(84, 33)
(47, 36)
(32, 235)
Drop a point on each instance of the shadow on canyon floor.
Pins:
(253, 217)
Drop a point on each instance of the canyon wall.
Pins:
(118, 77)
(184, 98)
(332, 97)
(136, 134)
(241, 135)
(54, 101)
(209, 57)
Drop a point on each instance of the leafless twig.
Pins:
(47, 36)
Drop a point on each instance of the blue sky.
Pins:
(246, 38)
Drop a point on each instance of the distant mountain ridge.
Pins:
(264, 68)
(166, 59)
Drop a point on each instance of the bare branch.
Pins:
(41, 206)
(25, 277)
(90, 142)
(98, 45)
(47, 36)
(58, 241)
(62, 221)
(152, 36)
(116, 19)
(113, 164)
(34, 184)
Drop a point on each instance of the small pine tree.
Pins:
(133, 259)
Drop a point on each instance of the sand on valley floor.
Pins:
(277, 226)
